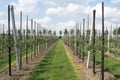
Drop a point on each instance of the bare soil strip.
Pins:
(83, 72)
(27, 68)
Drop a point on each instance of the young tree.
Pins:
(19, 32)
(60, 32)
(106, 32)
(71, 31)
(28, 31)
(65, 32)
(55, 33)
(40, 32)
(24, 33)
(44, 31)
(50, 32)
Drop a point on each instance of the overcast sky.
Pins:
(60, 14)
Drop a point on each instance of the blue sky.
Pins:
(60, 14)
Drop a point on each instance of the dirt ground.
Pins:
(84, 72)
(26, 68)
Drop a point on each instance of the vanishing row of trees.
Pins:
(89, 42)
(22, 42)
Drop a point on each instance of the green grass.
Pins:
(3, 62)
(111, 65)
(4, 59)
(55, 66)
(115, 52)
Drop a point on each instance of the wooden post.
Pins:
(110, 37)
(46, 34)
(108, 42)
(40, 34)
(3, 40)
(116, 36)
(31, 37)
(88, 22)
(26, 40)
(88, 35)
(80, 42)
(75, 34)
(88, 59)
(20, 39)
(38, 30)
(93, 39)
(88, 42)
(9, 41)
(111, 32)
(35, 38)
(15, 38)
(102, 58)
(83, 40)
(116, 32)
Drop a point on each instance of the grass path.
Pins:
(55, 66)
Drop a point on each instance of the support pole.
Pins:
(102, 58)
(20, 40)
(83, 40)
(3, 40)
(93, 39)
(15, 38)
(9, 41)
(34, 38)
(31, 37)
(26, 40)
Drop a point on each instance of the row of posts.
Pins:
(35, 45)
(91, 42)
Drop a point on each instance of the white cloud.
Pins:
(107, 26)
(48, 2)
(51, 3)
(111, 13)
(28, 6)
(63, 25)
(98, 10)
(2, 14)
(59, 2)
(44, 20)
(69, 1)
(71, 9)
(115, 1)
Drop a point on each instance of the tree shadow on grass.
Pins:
(117, 76)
